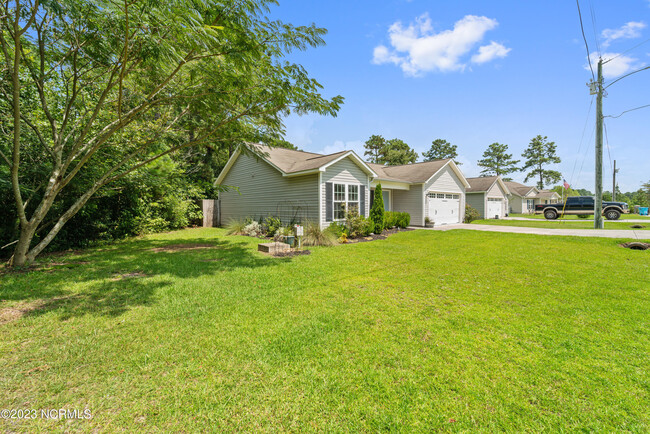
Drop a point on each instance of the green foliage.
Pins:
(539, 154)
(109, 91)
(271, 225)
(497, 162)
(236, 227)
(356, 225)
(403, 220)
(336, 228)
(585, 216)
(441, 149)
(397, 152)
(392, 152)
(377, 211)
(315, 236)
(471, 214)
(390, 219)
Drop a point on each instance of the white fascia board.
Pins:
(228, 166)
(362, 164)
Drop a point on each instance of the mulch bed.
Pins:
(373, 237)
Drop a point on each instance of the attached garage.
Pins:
(444, 208)
(489, 196)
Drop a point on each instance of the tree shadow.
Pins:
(109, 281)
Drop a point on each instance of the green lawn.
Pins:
(575, 217)
(559, 224)
(425, 331)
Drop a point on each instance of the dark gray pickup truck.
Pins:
(581, 205)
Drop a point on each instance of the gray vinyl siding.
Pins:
(345, 171)
(445, 181)
(412, 202)
(263, 191)
(477, 201)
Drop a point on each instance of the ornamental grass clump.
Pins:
(315, 236)
(236, 227)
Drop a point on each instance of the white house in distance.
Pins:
(300, 186)
(523, 198)
(489, 196)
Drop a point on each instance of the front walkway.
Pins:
(601, 233)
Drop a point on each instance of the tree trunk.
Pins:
(19, 258)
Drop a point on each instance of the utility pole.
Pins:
(614, 183)
(598, 203)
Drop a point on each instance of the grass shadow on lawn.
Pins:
(113, 279)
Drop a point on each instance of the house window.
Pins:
(339, 201)
(353, 198)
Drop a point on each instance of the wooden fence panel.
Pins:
(211, 213)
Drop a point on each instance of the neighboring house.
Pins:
(523, 198)
(299, 186)
(489, 196)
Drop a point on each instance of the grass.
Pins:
(575, 217)
(425, 331)
(559, 224)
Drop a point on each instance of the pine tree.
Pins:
(539, 154)
(441, 149)
(497, 162)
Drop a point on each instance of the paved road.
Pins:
(529, 219)
(602, 233)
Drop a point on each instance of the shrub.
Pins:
(315, 236)
(236, 227)
(471, 214)
(583, 216)
(253, 229)
(390, 219)
(343, 238)
(403, 220)
(427, 221)
(377, 211)
(356, 225)
(272, 224)
(337, 229)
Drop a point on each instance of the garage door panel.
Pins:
(444, 208)
(494, 208)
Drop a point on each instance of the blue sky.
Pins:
(478, 72)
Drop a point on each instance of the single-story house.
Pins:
(300, 186)
(489, 196)
(523, 198)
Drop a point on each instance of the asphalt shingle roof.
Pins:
(480, 184)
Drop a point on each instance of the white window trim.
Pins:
(358, 201)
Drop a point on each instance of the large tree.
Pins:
(538, 156)
(397, 152)
(97, 89)
(497, 161)
(374, 148)
(441, 149)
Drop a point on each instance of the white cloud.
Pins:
(418, 49)
(490, 52)
(339, 145)
(618, 65)
(629, 30)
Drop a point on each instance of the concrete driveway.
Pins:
(602, 233)
(528, 219)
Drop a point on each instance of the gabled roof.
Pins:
(547, 194)
(483, 184)
(290, 162)
(416, 173)
(520, 189)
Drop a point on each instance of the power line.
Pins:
(626, 75)
(584, 38)
(627, 111)
(627, 51)
(608, 151)
(593, 25)
(584, 130)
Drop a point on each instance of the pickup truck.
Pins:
(581, 205)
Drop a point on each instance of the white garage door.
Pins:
(494, 208)
(444, 208)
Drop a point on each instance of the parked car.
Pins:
(584, 205)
